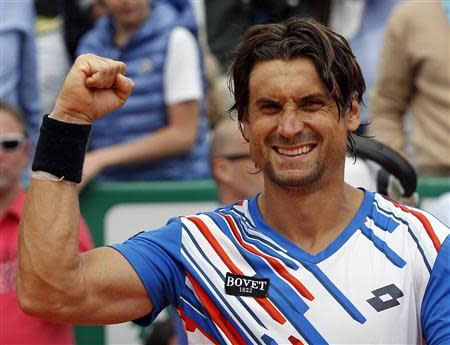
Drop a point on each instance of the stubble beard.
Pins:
(295, 182)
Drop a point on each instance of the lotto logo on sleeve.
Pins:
(238, 285)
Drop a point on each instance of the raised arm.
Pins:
(53, 280)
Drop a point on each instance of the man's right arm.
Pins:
(54, 281)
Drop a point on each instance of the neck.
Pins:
(311, 219)
(7, 197)
(124, 31)
(226, 196)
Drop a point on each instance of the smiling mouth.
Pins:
(291, 152)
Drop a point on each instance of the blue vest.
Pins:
(145, 111)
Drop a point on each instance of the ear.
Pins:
(244, 127)
(221, 170)
(353, 116)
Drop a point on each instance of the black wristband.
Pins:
(61, 148)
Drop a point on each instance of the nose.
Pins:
(291, 123)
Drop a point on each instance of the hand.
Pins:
(94, 87)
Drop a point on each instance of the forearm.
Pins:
(49, 267)
(164, 143)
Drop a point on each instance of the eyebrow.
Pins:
(265, 100)
(311, 96)
(314, 95)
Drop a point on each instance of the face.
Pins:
(128, 12)
(295, 133)
(235, 169)
(245, 179)
(12, 160)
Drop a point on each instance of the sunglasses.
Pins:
(12, 142)
(235, 157)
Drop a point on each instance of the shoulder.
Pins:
(411, 14)
(218, 219)
(95, 36)
(17, 15)
(181, 37)
(426, 230)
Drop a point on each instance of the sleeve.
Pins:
(435, 313)
(156, 257)
(393, 88)
(182, 75)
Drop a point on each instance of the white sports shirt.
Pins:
(235, 280)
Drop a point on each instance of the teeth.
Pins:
(294, 152)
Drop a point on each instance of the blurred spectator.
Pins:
(79, 16)
(219, 95)
(18, 67)
(414, 75)
(227, 21)
(363, 23)
(52, 57)
(160, 133)
(15, 326)
(232, 168)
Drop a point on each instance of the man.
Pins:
(413, 84)
(311, 260)
(232, 168)
(15, 326)
(157, 41)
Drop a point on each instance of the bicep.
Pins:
(113, 291)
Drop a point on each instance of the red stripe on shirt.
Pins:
(295, 341)
(426, 224)
(191, 325)
(217, 317)
(264, 302)
(273, 262)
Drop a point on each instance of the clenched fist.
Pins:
(94, 87)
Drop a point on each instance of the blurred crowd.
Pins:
(178, 53)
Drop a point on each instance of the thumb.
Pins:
(123, 87)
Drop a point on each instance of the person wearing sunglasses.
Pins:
(15, 326)
(231, 165)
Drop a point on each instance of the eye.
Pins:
(312, 105)
(270, 108)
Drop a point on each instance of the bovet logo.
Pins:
(238, 285)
